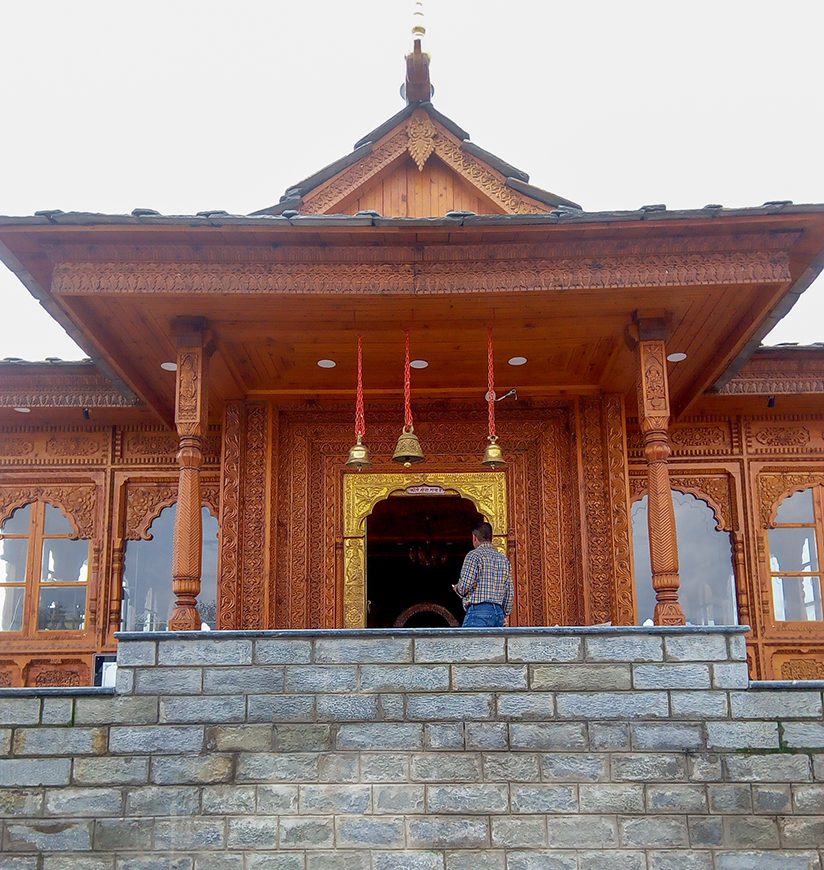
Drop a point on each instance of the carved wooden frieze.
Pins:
(78, 501)
(146, 499)
(798, 668)
(791, 436)
(775, 485)
(153, 445)
(776, 375)
(58, 672)
(69, 446)
(692, 437)
(711, 487)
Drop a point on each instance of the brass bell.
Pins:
(359, 456)
(493, 455)
(408, 450)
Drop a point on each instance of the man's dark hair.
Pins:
(483, 532)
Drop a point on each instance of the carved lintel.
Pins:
(653, 413)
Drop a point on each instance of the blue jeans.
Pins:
(484, 615)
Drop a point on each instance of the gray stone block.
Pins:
(771, 798)
(418, 860)
(155, 862)
(582, 832)
(467, 799)
(460, 649)
(489, 677)
(734, 797)
(523, 705)
(162, 801)
(391, 707)
(404, 678)
(89, 802)
(335, 799)
(611, 798)
(282, 651)
(345, 860)
(377, 650)
(19, 711)
(671, 676)
(521, 832)
(775, 705)
(624, 648)
(171, 769)
(750, 860)
(156, 738)
(677, 798)
(20, 801)
(544, 649)
(279, 861)
(111, 771)
(444, 735)
(618, 860)
(700, 705)
(798, 832)
(182, 834)
(276, 767)
(124, 834)
(654, 832)
(22, 772)
(666, 735)
(223, 861)
(487, 735)
(57, 711)
(468, 860)
(60, 741)
(548, 735)
(21, 862)
(803, 735)
(731, 675)
(247, 680)
(303, 738)
(326, 678)
(347, 708)
(213, 651)
(459, 706)
(167, 681)
(648, 767)
(240, 738)
(125, 710)
(428, 832)
(768, 768)
(338, 767)
(535, 860)
(608, 735)
(380, 735)
(696, 647)
(680, 860)
(704, 767)
(742, 735)
(384, 767)
(136, 652)
(446, 767)
(124, 681)
(808, 799)
(277, 799)
(705, 831)
(543, 798)
(398, 799)
(510, 767)
(5, 741)
(315, 832)
(579, 678)
(574, 767)
(69, 861)
(743, 832)
(48, 836)
(737, 645)
(252, 833)
(612, 705)
(385, 832)
(280, 708)
(216, 708)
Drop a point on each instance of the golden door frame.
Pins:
(361, 492)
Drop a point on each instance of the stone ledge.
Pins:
(56, 691)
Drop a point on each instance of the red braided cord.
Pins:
(360, 419)
(490, 394)
(407, 388)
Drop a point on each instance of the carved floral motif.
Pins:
(773, 487)
(77, 501)
(57, 677)
(75, 445)
(699, 436)
(144, 504)
(785, 436)
(802, 669)
(421, 132)
(16, 446)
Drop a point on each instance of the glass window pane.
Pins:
(19, 522)
(793, 550)
(62, 608)
(65, 561)
(147, 578)
(207, 599)
(797, 599)
(796, 508)
(13, 555)
(57, 523)
(11, 607)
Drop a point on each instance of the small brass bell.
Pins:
(408, 450)
(493, 455)
(359, 456)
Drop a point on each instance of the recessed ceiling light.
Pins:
(23, 410)
(676, 357)
(327, 363)
(419, 363)
(169, 366)
(518, 361)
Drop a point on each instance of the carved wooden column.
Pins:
(653, 415)
(191, 408)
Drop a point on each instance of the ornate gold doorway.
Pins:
(361, 492)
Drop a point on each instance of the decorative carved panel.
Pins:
(146, 498)
(153, 445)
(788, 436)
(58, 672)
(69, 446)
(694, 437)
(710, 486)
(773, 486)
(78, 501)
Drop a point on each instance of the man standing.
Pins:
(486, 582)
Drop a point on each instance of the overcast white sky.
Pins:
(185, 105)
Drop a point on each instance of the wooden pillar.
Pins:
(191, 408)
(653, 415)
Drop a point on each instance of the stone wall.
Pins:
(417, 750)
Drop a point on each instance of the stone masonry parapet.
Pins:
(405, 750)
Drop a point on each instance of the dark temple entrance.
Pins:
(415, 546)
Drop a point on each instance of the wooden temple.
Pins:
(192, 473)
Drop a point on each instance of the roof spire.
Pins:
(418, 88)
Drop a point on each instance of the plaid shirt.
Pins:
(486, 576)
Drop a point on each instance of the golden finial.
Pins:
(418, 26)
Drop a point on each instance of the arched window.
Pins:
(795, 569)
(707, 592)
(148, 599)
(44, 572)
